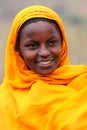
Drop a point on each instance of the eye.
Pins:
(53, 43)
(32, 46)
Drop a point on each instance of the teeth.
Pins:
(44, 63)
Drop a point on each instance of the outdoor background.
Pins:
(73, 13)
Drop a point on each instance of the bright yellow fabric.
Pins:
(15, 72)
(29, 101)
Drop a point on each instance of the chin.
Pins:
(45, 72)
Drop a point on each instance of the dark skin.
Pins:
(40, 46)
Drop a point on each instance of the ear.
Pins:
(17, 48)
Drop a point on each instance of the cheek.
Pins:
(29, 56)
(57, 51)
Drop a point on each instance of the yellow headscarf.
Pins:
(29, 101)
(15, 67)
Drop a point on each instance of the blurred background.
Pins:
(73, 14)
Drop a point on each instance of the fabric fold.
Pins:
(29, 101)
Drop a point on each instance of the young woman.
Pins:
(41, 90)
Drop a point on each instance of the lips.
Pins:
(45, 62)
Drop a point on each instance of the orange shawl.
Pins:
(29, 101)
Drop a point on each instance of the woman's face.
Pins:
(41, 46)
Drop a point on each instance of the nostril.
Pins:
(44, 52)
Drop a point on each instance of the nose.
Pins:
(44, 51)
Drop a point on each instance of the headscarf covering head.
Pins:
(15, 66)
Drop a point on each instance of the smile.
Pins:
(45, 62)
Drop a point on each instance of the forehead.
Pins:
(40, 26)
(38, 31)
(33, 20)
